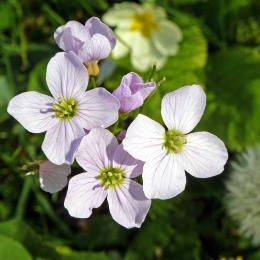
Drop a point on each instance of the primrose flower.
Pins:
(243, 198)
(168, 154)
(70, 111)
(145, 31)
(109, 172)
(53, 178)
(132, 92)
(90, 42)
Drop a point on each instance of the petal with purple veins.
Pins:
(66, 76)
(84, 194)
(71, 36)
(97, 48)
(182, 109)
(33, 111)
(96, 150)
(127, 163)
(144, 139)
(95, 26)
(204, 155)
(128, 205)
(163, 177)
(61, 142)
(97, 108)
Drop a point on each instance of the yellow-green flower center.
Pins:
(145, 23)
(174, 141)
(111, 177)
(66, 108)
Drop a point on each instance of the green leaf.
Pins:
(7, 92)
(85, 255)
(7, 15)
(23, 233)
(233, 97)
(186, 68)
(12, 250)
(37, 81)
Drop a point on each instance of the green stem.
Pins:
(21, 206)
(152, 73)
(46, 206)
(93, 82)
(115, 127)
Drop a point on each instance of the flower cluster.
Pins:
(75, 120)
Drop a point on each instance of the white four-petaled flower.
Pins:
(168, 154)
(109, 172)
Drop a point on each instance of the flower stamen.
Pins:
(144, 22)
(174, 141)
(111, 177)
(66, 108)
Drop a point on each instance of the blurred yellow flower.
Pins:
(145, 31)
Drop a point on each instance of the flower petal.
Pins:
(132, 92)
(66, 76)
(145, 89)
(128, 205)
(97, 108)
(84, 194)
(144, 139)
(163, 177)
(128, 104)
(95, 26)
(53, 178)
(61, 142)
(204, 155)
(97, 48)
(71, 36)
(96, 150)
(166, 38)
(131, 167)
(120, 50)
(125, 39)
(182, 109)
(33, 111)
(120, 14)
(144, 54)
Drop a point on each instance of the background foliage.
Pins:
(220, 51)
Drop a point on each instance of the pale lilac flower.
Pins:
(132, 92)
(90, 42)
(71, 109)
(109, 172)
(53, 178)
(168, 154)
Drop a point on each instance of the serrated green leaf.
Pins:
(233, 97)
